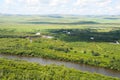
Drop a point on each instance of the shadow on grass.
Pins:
(112, 18)
(58, 23)
(73, 35)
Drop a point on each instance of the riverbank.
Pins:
(103, 55)
(81, 67)
(22, 70)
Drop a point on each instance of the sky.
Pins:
(79, 7)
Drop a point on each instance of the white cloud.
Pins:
(92, 2)
(58, 2)
(84, 2)
(103, 3)
(9, 2)
(53, 3)
(80, 2)
(62, 6)
(32, 2)
(26, 2)
(118, 7)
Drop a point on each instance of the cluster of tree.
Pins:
(86, 34)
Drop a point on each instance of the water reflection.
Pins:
(82, 67)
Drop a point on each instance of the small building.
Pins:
(117, 42)
(48, 37)
(68, 33)
(92, 38)
(37, 34)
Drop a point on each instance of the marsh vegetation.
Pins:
(92, 40)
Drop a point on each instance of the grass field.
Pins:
(92, 40)
(21, 70)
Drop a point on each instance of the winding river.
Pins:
(82, 67)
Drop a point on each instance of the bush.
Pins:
(95, 53)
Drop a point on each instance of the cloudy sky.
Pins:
(81, 7)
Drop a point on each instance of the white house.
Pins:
(37, 34)
(68, 33)
(49, 37)
(92, 38)
(117, 42)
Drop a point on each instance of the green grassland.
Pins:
(21, 70)
(16, 32)
(93, 53)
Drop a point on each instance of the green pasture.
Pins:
(92, 40)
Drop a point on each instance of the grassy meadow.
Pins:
(21, 70)
(92, 40)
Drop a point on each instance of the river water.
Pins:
(82, 67)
